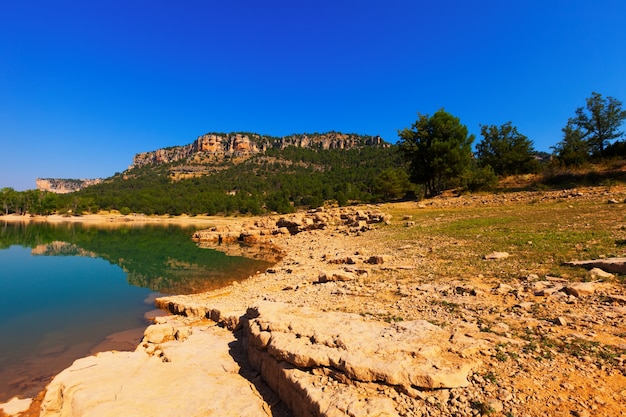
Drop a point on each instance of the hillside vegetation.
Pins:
(248, 173)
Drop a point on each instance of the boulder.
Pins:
(376, 260)
(598, 273)
(335, 275)
(582, 289)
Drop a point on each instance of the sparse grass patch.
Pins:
(483, 408)
(539, 237)
(491, 377)
(447, 305)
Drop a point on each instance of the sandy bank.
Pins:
(117, 219)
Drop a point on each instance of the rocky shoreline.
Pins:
(343, 325)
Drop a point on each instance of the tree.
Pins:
(438, 150)
(506, 150)
(392, 183)
(573, 150)
(599, 122)
(9, 196)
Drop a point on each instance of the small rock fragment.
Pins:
(497, 255)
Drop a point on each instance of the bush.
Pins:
(479, 179)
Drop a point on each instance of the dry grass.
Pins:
(539, 237)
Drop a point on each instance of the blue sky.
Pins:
(84, 85)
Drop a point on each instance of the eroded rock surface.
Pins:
(290, 345)
(188, 371)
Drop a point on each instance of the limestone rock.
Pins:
(64, 186)
(143, 384)
(290, 344)
(582, 289)
(217, 147)
(497, 255)
(503, 289)
(600, 274)
(616, 265)
(335, 275)
(15, 406)
(159, 333)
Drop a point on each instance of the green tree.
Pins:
(506, 150)
(392, 183)
(9, 197)
(598, 122)
(573, 150)
(438, 149)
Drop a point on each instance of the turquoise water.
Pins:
(66, 287)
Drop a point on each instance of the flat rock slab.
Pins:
(192, 376)
(615, 265)
(290, 344)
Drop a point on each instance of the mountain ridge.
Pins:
(200, 157)
(215, 147)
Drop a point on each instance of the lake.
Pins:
(71, 289)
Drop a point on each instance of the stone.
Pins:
(376, 260)
(411, 356)
(582, 289)
(596, 273)
(16, 406)
(159, 333)
(526, 305)
(615, 265)
(201, 375)
(561, 321)
(503, 289)
(495, 405)
(335, 275)
(497, 255)
(500, 328)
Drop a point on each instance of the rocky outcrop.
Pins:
(318, 363)
(178, 370)
(327, 364)
(64, 186)
(344, 220)
(218, 146)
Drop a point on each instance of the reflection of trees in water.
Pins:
(160, 257)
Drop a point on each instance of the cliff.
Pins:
(63, 186)
(214, 147)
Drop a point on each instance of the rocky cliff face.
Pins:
(215, 147)
(63, 186)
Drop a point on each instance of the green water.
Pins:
(66, 287)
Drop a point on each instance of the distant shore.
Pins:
(107, 218)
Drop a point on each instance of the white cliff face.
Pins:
(220, 146)
(63, 186)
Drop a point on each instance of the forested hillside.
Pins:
(276, 180)
(272, 180)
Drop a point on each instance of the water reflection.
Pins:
(66, 288)
(162, 258)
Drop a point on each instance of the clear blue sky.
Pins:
(84, 85)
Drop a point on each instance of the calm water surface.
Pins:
(66, 287)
